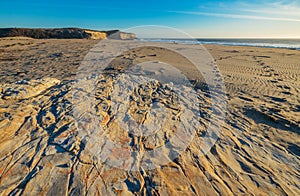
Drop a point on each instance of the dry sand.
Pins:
(257, 153)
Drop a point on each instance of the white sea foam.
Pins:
(266, 43)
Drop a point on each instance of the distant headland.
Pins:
(65, 33)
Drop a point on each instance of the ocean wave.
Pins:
(265, 43)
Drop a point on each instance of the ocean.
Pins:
(293, 44)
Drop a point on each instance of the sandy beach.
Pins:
(256, 153)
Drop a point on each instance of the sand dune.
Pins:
(257, 152)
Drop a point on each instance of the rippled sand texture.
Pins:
(41, 152)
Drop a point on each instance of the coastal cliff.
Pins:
(64, 33)
(116, 34)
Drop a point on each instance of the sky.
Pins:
(198, 18)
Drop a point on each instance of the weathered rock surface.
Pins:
(27, 89)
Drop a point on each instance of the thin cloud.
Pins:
(238, 16)
(290, 8)
(272, 11)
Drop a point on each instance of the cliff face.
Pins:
(96, 35)
(64, 33)
(121, 35)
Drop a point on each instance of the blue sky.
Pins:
(199, 18)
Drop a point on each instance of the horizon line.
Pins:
(220, 38)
